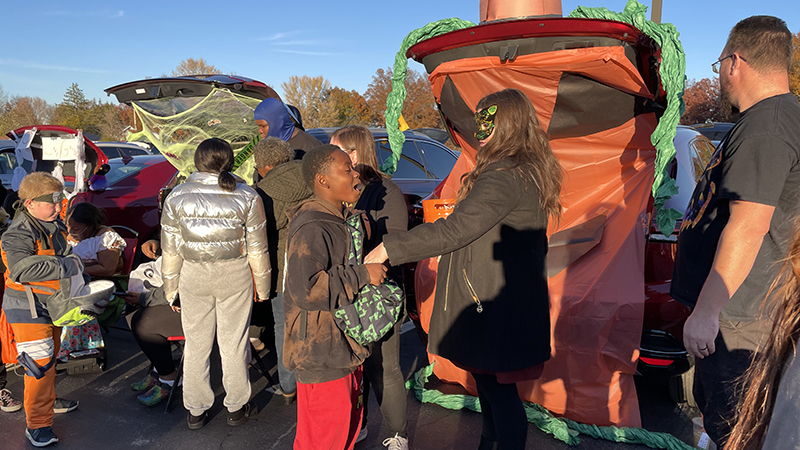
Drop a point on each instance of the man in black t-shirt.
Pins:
(738, 223)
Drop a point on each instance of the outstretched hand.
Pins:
(378, 255)
(377, 273)
(151, 248)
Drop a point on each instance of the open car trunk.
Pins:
(597, 94)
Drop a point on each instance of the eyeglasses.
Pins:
(715, 66)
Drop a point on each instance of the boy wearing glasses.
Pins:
(738, 224)
(35, 252)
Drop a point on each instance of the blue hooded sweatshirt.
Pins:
(274, 112)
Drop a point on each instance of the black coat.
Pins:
(494, 245)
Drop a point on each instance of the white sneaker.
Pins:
(396, 443)
(362, 434)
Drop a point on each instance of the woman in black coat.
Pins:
(491, 314)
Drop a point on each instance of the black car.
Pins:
(423, 164)
(714, 131)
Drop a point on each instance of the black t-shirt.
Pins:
(757, 161)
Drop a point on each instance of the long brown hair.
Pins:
(355, 138)
(518, 137)
(762, 379)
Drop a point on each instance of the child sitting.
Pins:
(35, 251)
(100, 248)
(327, 362)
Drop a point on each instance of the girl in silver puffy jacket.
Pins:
(214, 246)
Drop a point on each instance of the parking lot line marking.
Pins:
(408, 326)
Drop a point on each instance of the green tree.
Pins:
(73, 111)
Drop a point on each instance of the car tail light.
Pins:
(656, 361)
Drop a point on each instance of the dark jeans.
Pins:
(505, 425)
(287, 379)
(716, 376)
(151, 327)
(382, 372)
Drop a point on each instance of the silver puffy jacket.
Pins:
(202, 223)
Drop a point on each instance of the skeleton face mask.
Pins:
(485, 120)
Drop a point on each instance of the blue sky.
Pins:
(50, 44)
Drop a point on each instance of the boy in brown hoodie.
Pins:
(327, 362)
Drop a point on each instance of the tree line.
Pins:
(320, 104)
(704, 100)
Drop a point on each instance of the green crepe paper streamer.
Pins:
(561, 428)
(673, 75)
(394, 102)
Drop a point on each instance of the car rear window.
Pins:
(120, 171)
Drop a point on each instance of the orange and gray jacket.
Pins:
(35, 254)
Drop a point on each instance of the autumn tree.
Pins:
(191, 66)
(18, 112)
(419, 109)
(341, 108)
(704, 101)
(307, 94)
(794, 72)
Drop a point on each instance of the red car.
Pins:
(132, 196)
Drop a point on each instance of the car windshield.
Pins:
(120, 171)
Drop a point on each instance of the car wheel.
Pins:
(680, 387)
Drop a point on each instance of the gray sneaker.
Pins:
(61, 406)
(8, 403)
(41, 437)
(396, 443)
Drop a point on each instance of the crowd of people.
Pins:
(291, 241)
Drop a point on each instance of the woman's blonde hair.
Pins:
(760, 384)
(518, 137)
(359, 139)
(37, 184)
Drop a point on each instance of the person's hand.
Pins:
(131, 298)
(261, 300)
(150, 248)
(700, 332)
(377, 273)
(177, 309)
(377, 255)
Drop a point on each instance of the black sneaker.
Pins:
(196, 422)
(61, 406)
(241, 415)
(41, 437)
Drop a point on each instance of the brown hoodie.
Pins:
(318, 280)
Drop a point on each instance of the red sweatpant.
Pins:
(329, 414)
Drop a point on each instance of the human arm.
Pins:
(106, 265)
(171, 242)
(494, 195)
(736, 252)
(151, 248)
(257, 249)
(24, 265)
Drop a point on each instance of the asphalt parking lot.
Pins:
(110, 417)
